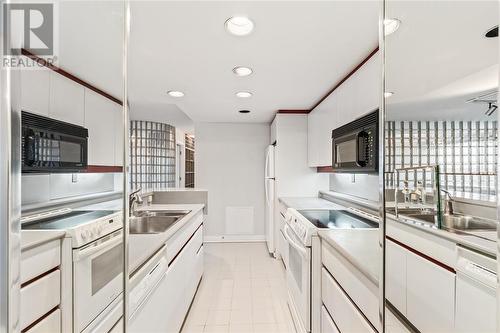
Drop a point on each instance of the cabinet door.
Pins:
(35, 91)
(430, 295)
(118, 134)
(99, 119)
(395, 286)
(320, 123)
(476, 306)
(66, 100)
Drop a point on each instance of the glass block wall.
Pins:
(466, 152)
(189, 140)
(152, 155)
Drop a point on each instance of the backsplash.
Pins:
(43, 188)
(362, 185)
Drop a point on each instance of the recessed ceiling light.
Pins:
(239, 25)
(175, 93)
(242, 71)
(244, 94)
(388, 94)
(391, 25)
(492, 33)
(244, 111)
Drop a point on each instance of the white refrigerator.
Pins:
(270, 185)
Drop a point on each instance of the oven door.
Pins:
(298, 278)
(97, 278)
(45, 151)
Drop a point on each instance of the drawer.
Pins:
(118, 328)
(50, 324)
(327, 324)
(344, 313)
(177, 241)
(40, 259)
(39, 297)
(362, 291)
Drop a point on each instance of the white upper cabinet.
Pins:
(35, 87)
(66, 100)
(319, 128)
(118, 133)
(100, 121)
(357, 96)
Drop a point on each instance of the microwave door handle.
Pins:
(359, 162)
(84, 253)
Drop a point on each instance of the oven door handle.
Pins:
(294, 243)
(86, 252)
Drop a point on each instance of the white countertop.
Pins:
(300, 203)
(142, 246)
(359, 246)
(33, 238)
(476, 242)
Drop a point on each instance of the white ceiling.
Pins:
(298, 51)
(438, 58)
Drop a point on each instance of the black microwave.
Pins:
(50, 146)
(355, 146)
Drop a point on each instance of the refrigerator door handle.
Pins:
(266, 172)
(266, 190)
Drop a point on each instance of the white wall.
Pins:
(229, 163)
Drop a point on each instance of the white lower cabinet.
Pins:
(476, 309)
(327, 324)
(169, 302)
(344, 313)
(395, 275)
(39, 297)
(421, 290)
(430, 304)
(50, 324)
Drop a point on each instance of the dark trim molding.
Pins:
(103, 168)
(420, 254)
(70, 76)
(294, 111)
(325, 169)
(351, 73)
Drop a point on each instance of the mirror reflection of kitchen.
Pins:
(72, 240)
(441, 146)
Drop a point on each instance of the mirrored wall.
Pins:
(441, 162)
(63, 228)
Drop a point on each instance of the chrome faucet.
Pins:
(134, 199)
(448, 203)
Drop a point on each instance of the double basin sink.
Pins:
(449, 221)
(155, 222)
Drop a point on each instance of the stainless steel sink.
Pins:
(466, 222)
(161, 213)
(454, 222)
(154, 222)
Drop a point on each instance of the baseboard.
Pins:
(234, 238)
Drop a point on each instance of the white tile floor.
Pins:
(243, 290)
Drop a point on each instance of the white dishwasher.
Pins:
(476, 307)
(144, 283)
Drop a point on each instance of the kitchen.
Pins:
(332, 180)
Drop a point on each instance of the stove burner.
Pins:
(337, 219)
